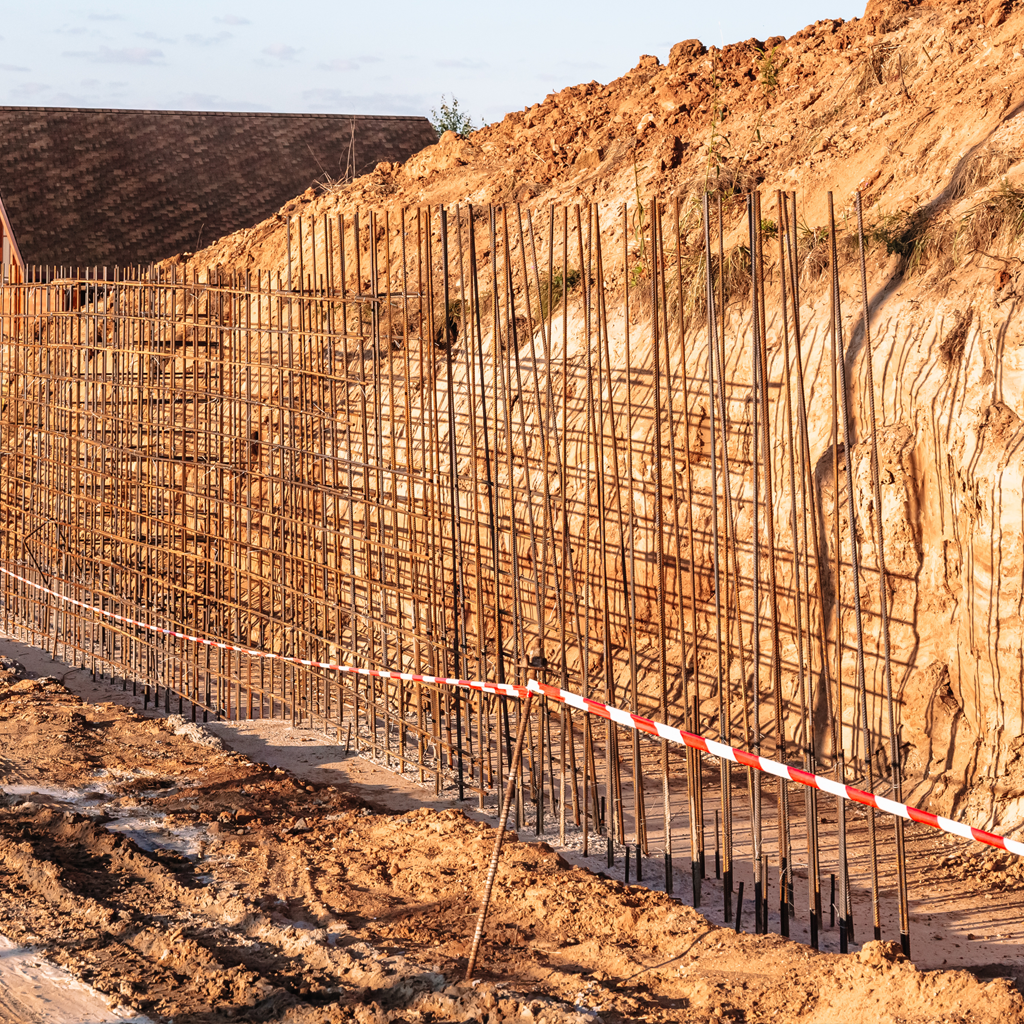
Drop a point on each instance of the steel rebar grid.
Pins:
(297, 465)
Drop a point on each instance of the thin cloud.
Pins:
(90, 92)
(30, 90)
(282, 52)
(12, 67)
(462, 64)
(155, 37)
(128, 55)
(232, 19)
(198, 40)
(348, 63)
(339, 64)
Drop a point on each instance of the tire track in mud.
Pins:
(294, 903)
(171, 935)
(127, 907)
(153, 937)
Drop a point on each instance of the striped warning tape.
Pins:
(592, 707)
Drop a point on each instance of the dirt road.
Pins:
(192, 884)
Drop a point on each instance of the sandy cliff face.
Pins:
(920, 106)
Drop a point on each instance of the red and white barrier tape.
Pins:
(593, 707)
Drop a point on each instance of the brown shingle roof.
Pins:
(117, 187)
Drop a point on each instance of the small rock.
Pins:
(647, 121)
(995, 14)
(688, 48)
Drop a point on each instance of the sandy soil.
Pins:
(33, 991)
(196, 884)
(916, 105)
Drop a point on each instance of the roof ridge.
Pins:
(216, 113)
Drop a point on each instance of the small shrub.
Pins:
(730, 274)
(1005, 206)
(451, 119)
(735, 179)
(997, 219)
(920, 239)
(906, 235)
(976, 171)
(882, 64)
(447, 331)
(813, 250)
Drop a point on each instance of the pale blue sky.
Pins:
(360, 58)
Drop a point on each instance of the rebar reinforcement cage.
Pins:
(484, 443)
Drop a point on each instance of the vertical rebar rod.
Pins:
(639, 831)
(845, 917)
(757, 321)
(659, 546)
(712, 346)
(788, 225)
(883, 593)
(492, 869)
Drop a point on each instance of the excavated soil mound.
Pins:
(920, 107)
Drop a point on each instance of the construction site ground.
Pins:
(252, 871)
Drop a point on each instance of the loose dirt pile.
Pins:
(194, 885)
(916, 104)
(919, 106)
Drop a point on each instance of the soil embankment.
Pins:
(918, 105)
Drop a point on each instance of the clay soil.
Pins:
(185, 881)
(919, 106)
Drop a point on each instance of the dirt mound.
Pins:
(195, 885)
(918, 106)
(893, 103)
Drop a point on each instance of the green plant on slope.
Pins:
(766, 70)
(906, 235)
(557, 287)
(920, 238)
(730, 276)
(451, 119)
(718, 142)
(641, 268)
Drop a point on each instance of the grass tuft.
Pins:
(921, 240)
(733, 271)
(812, 250)
(552, 289)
